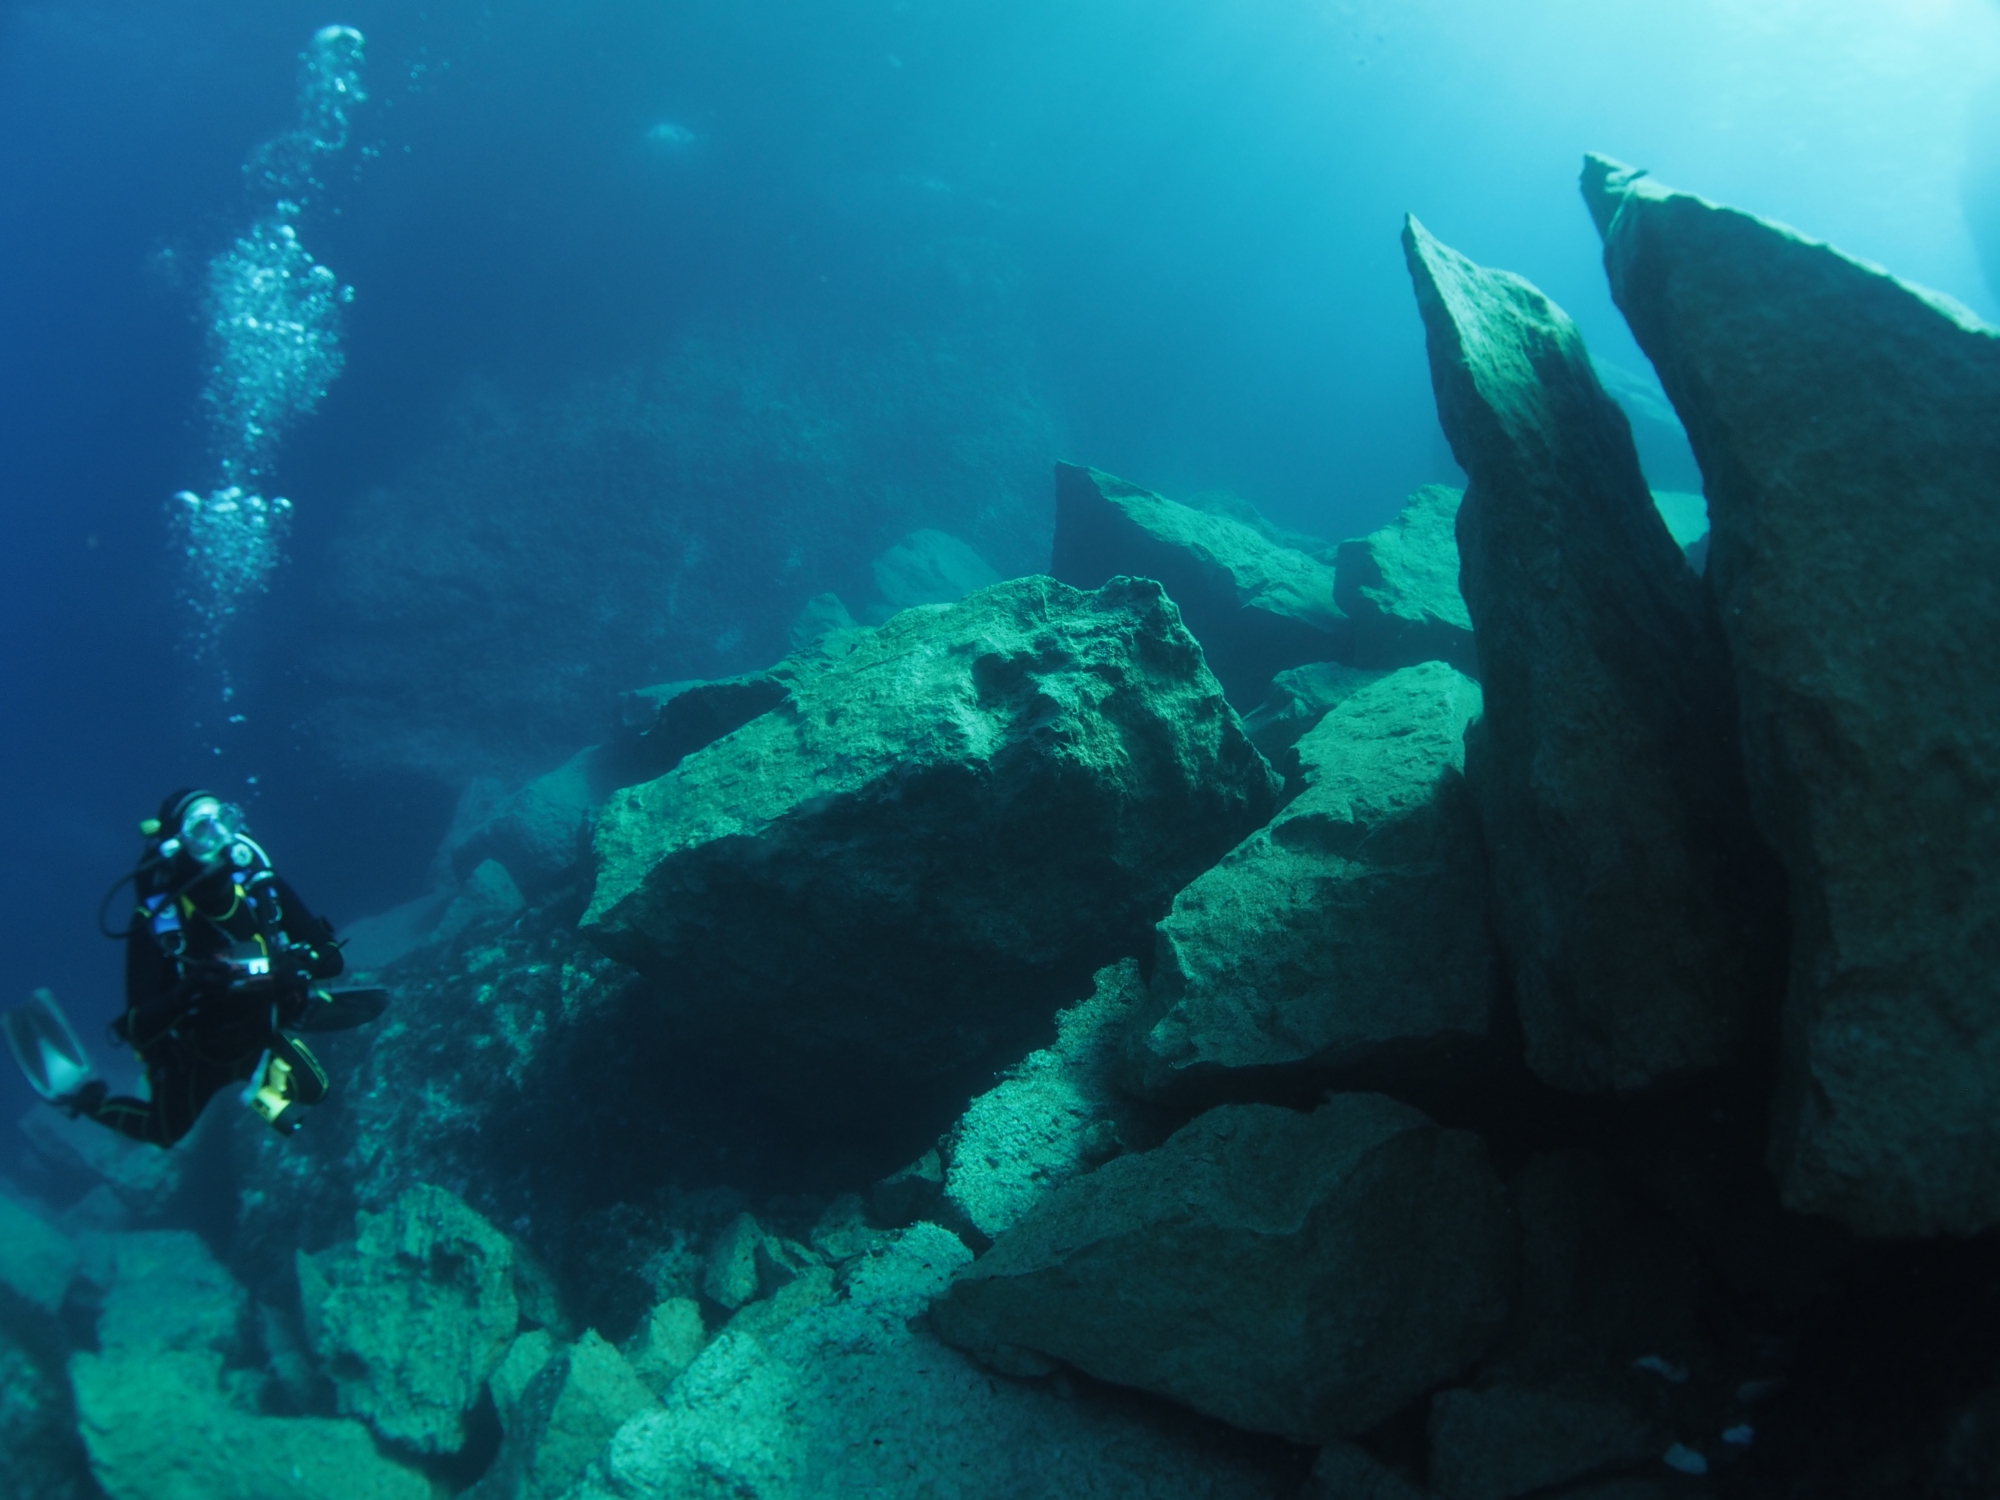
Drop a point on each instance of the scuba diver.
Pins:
(222, 964)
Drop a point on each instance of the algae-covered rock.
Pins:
(157, 1426)
(1350, 935)
(1639, 912)
(1304, 1275)
(940, 834)
(413, 1316)
(37, 1260)
(1055, 1115)
(1844, 421)
(561, 1419)
(849, 1399)
(1399, 586)
(1255, 605)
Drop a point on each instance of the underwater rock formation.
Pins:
(1302, 1275)
(37, 1260)
(1639, 914)
(167, 1405)
(925, 567)
(1845, 425)
(558, 1407)
(1056, 1114)
(904, 869)
(160, 1426)
(1255, 605)
(1299, 699)
(413, 1316)
(850, 1398)
(1349, 937)
(1399, 586)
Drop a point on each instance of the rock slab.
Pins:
(938, 837)
(1255, 605)
(1302, 1275)
(1348, 937)
(1399, 586)
(1845, 425)
(1640, 913)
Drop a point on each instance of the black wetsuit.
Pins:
(215, 968)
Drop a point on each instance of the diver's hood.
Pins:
(40, 1037)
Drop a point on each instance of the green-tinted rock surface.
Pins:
(1637, 909)
(163, 1289)
(1299, 698)
(1304, 1275)
(925, 567)
(158, 1427)
(1399, 586)
(1055, 1115)
(37, 1260)
(849, 1399)
(903, 869)
(41, 1457)
(671, 1339)
(561, 1419)
(1350, 935)
(413, 1316)
(1845, 423)
(1255, 605)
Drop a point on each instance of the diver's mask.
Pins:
(207, 828)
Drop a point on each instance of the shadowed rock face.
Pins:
(1848, 428)
(1635, 903)
(908, 865)
(1255, 605)
(1305, 1275)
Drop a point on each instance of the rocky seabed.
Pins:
(1500, 1007)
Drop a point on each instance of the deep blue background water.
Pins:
(1193, 208)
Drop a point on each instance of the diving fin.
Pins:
(50, 1056)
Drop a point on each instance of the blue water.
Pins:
(630, 247)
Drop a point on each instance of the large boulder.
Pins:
(1255, 605)
(1845, 424)
(1640, 914)
(160, 1424)
(1307, 1275)
(851, 1398)
(950, 823)
(1349, 937)
(1399, 586)
(413, 1316)
(167, 1404)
